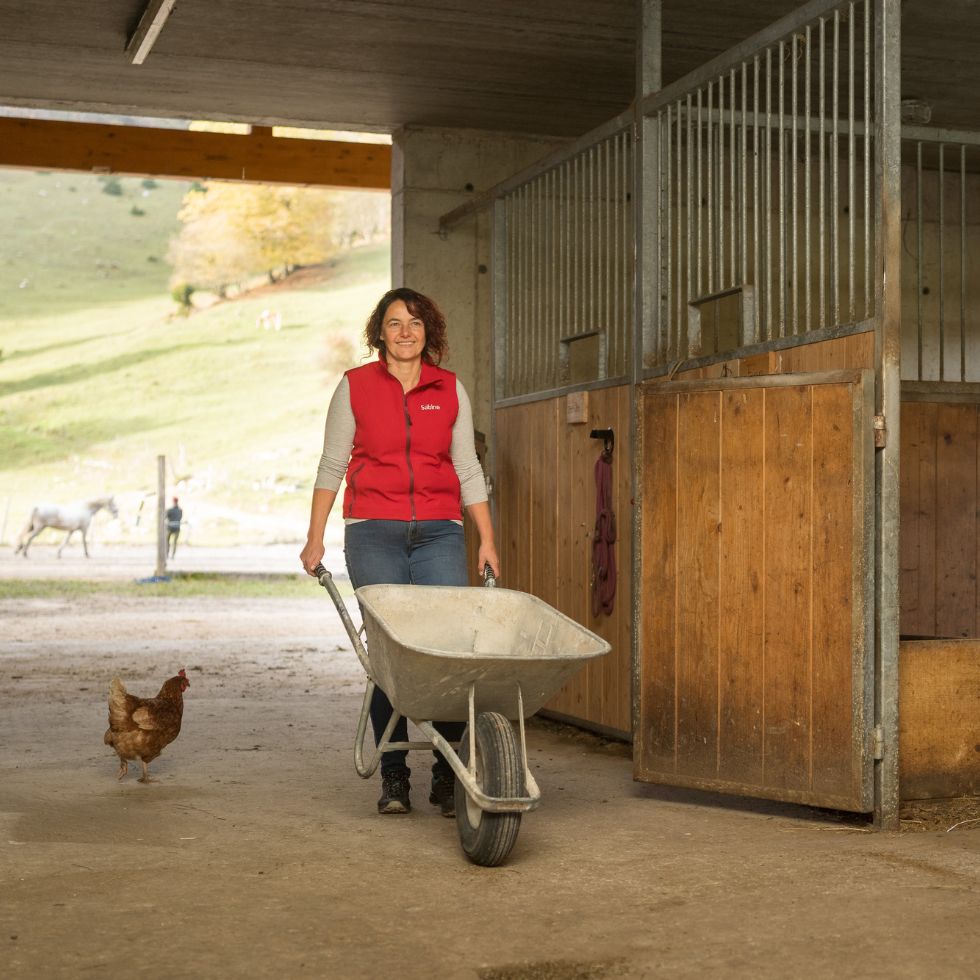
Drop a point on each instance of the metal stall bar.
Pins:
(500, 300)
(942, 262)
(588, 232)
(918, 258)
(628, 237)
(807, 152)
(962, 263)
(850, 164)
(689, 209)
(744, 199)
(767, 198)
(756, 271)
(794, 195)
(821, 178)
(780, 156)
(603, 263)
(866, 144)
(732, 167)
(666, 326)
(834, 173)
(677, 208)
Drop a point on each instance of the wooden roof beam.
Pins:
(41, 144)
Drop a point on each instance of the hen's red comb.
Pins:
(181, 673)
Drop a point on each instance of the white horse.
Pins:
(75, 517)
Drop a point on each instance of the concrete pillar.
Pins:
(434, 171)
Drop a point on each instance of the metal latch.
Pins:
(877, 743)
(881, 432)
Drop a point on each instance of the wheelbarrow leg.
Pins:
(368, 770)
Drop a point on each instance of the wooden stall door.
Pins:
(756, 609)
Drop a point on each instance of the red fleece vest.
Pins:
(400, 467)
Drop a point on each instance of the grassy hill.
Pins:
(97, 376)
(69, 246)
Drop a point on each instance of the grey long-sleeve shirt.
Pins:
(338, 441)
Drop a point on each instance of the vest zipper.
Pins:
(408, 453)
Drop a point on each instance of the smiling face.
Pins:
(402, 333)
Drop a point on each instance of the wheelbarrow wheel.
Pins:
(487, 838)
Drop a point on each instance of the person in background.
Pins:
(174, 516)
(401, 429)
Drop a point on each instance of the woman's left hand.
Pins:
(488, 555)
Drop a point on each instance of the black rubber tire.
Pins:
(487, 838)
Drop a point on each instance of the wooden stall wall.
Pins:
(940, 538)
(939, 696)
(545, 500)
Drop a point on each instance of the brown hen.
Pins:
(140, 728)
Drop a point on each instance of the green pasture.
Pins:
(68, 246)
(98, 375)
(181, 586)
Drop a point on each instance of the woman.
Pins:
(401, 429)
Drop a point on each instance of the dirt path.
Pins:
(259, 854)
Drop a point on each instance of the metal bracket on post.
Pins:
(877, 743)
(881, 432)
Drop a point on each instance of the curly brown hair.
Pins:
(419, 306)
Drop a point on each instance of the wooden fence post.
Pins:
(161, 568)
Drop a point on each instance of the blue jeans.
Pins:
(406, 553)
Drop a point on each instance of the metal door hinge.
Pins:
(881, 432)
(877, 743)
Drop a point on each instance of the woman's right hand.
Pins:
(311, 556)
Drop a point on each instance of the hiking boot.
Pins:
(443, 793)
(395, 788)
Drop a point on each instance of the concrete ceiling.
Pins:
(553, 67)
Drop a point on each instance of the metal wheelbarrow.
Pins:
(486, 656)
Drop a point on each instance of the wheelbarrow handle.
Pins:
(326, 580)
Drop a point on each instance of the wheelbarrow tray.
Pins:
(428, 644)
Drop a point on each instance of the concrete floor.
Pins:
(259, 852)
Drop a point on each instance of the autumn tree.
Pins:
(233, 231)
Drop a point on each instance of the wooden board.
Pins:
(940, 530)
(755, 646)
(787, 462)
(697, 582)
(836, 520)
(741, 604)
(850, 352)
(939, 701)
(853, 351)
